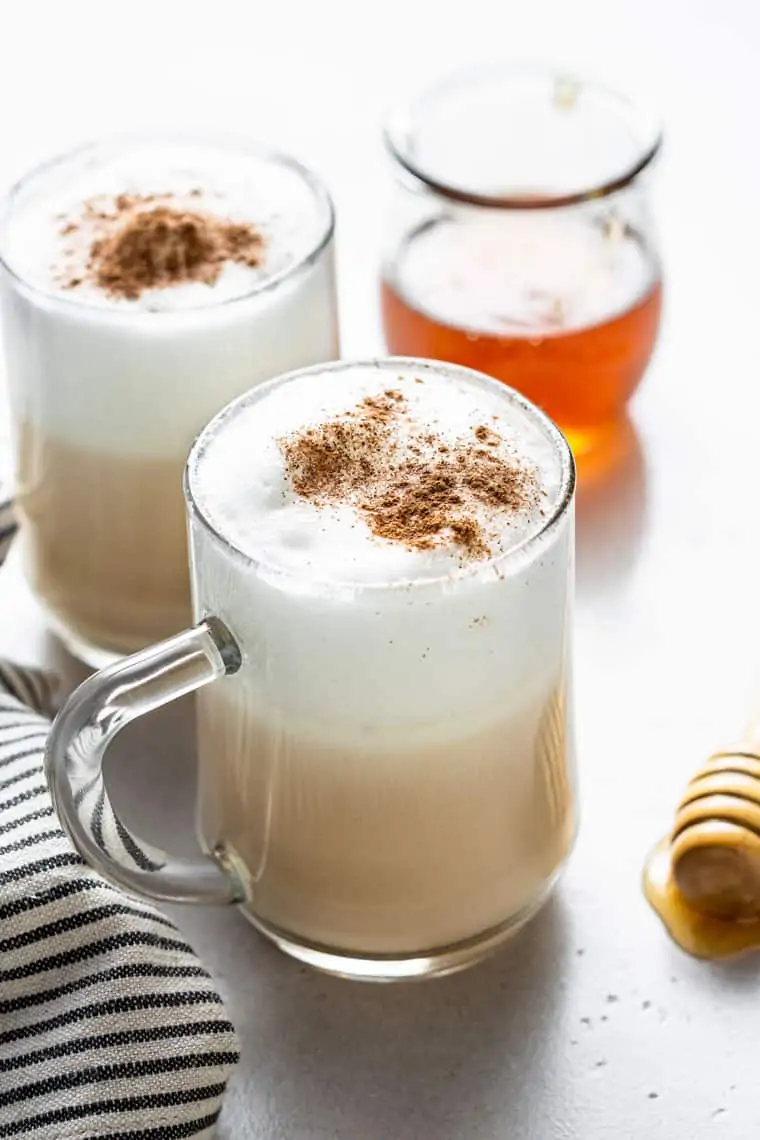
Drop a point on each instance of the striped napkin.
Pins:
(109, 1025)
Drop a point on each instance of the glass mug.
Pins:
(377, 811)
(520, 240)
(108, 394)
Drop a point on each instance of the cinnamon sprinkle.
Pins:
(408, 484)
(486, 435)
(151, 241)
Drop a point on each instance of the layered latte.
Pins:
(146, 283)
(391, 770)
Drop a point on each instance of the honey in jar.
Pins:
(521, 242)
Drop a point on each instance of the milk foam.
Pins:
(234, 185)
(241, 484)
(141, 378)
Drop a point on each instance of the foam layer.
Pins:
(234, 185)
(114, 377)
(241, 484)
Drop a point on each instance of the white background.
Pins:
(570, 1033)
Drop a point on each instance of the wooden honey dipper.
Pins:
(703, 879)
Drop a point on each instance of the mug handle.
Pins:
(89, 720)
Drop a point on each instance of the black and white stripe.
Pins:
(109, 1025)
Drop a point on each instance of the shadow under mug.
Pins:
(380, 806)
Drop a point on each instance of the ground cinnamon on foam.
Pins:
(408, 484)
(141, 242)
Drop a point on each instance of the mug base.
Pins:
(434, 963)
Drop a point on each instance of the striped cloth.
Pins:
(109, 1025)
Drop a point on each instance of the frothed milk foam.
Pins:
(391, 769)
(109, 391)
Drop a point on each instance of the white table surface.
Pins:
(591, 1025)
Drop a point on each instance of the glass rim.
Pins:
(228, 142)
(323, 585)
(398, 130)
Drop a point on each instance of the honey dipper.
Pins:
(703, 879)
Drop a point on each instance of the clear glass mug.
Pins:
(107, 396)
(379, 806)
(520, 239)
